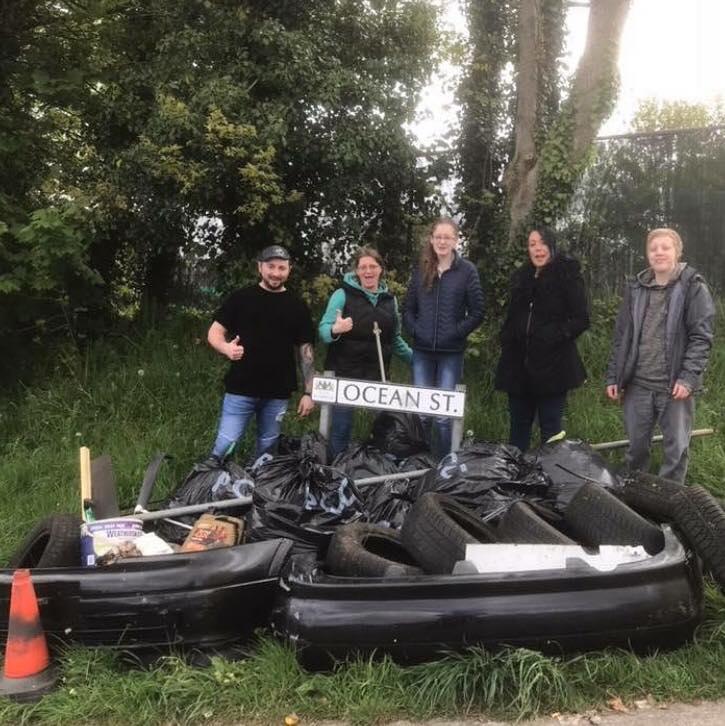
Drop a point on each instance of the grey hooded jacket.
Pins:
(688, 330)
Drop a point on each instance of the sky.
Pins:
(670, 50)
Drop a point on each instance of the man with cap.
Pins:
(259, 328)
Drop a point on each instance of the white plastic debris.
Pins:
(151, 544)
(497, 558)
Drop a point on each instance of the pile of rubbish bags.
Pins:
(298, 494)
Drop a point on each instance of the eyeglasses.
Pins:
(368, 268)
(441, 238)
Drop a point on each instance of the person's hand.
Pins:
(234, 351)
(305, 406)
(680, 391)
(613, 392)
(341, 325)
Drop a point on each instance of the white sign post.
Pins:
(330, 391)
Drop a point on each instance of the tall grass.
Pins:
(160, 389)
(269, 683)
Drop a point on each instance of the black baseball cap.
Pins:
(273, 252)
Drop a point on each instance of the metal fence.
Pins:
(642, 181)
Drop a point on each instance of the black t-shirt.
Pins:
(270, 325)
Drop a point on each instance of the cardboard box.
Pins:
(212, 531)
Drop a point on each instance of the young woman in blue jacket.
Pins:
(443, 306)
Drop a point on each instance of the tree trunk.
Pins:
(520, 175)
(595, 83)
(589, 104)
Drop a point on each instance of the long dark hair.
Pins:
(428, 258)
(548, 237)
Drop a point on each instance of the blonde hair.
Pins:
(665, 232)
(428, 258)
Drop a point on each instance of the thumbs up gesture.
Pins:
(234, 350)
(341, 325)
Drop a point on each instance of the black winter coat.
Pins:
(545, 316)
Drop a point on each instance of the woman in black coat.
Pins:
(539, 360)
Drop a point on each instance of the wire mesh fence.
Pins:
(642, 181)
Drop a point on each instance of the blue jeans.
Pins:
(444, 371)
(523, 409)
(237, 412)
(340, 429)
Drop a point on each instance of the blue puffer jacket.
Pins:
(440, 319)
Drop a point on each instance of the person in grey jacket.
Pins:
(661, 346)
(443, 306)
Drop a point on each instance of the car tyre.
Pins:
(701, 520)
(437, 530)
(596, 517)
(651, 495)
(54, 542)
(522, 525)
(367, 550)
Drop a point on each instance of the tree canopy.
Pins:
(141, 134)
(143, 140)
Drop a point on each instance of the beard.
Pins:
(272, 284)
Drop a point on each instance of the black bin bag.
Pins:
(424, 460)
(570, 464)
(487, 477)
(360, 461)
(386, 502)
(312, 445)
(208, 481)
(297, 497)
(399, 434)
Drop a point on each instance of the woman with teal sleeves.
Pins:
(347, 329)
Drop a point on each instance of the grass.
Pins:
(160, 390)
(269, 683)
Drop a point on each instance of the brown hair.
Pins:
(365, 251)
(665, 232)
(428, 258)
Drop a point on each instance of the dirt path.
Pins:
(706, 713)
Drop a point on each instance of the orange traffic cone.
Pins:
(27, 672)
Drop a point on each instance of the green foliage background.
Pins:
(146, 145)
(148, 148)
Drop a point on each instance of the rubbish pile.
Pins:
(373, 495)
(442, 540)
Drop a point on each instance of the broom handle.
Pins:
(606, 445)
(86, 493)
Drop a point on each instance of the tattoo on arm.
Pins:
(307, 364)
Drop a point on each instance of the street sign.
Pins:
(388, 396)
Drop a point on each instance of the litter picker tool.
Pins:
(376, 333)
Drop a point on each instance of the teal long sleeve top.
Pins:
(337, 302)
